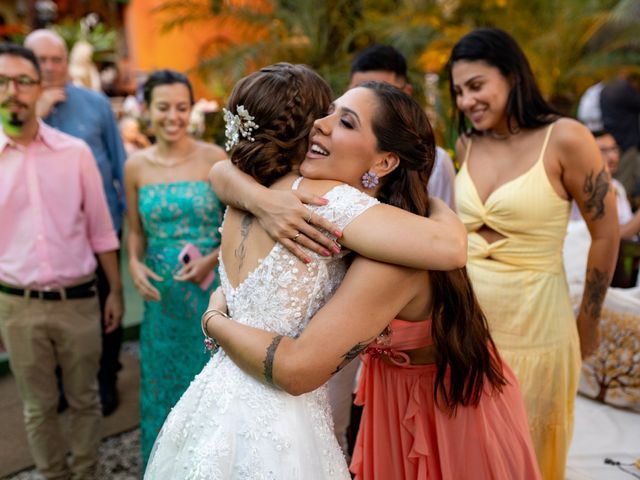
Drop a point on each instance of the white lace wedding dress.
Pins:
(228, 425)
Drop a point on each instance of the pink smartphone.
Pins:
(190, 252)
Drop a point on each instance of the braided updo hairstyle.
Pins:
(466, 357)
(284, 100)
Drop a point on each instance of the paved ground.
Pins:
(119, 459)
(119, 453)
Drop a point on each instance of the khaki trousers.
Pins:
(38, 335)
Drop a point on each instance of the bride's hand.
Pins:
(283, 214)
(218, 301)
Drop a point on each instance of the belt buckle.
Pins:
(43, 292)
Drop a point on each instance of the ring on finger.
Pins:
(295, 237)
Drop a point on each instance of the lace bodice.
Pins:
(231, 426)
(282, 293)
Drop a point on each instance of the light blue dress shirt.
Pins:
(87, 115)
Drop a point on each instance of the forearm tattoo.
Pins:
(594, 291)
(352, 353)
(241, 250)
(268, 359)
(596, 191)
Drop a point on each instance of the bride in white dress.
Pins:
(228, 425)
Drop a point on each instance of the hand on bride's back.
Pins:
(218, 301)
(283, 215)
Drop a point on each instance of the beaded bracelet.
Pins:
(211, 345)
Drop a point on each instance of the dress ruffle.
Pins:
(404, 435)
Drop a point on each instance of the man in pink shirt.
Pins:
(54, 217)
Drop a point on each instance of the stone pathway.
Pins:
(119, 455)
(119, 459)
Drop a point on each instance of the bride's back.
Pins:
(267, 286)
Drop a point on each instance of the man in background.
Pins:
(620, 105)
(629, 223)
(55, 223)
(87, 115)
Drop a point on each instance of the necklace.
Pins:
(157, 160)
(498, 136)
(502, 136)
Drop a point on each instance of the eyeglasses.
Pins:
(609, 150)
(21, 82)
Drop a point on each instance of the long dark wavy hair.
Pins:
(465, 351)
(526, 107)
(285, 100)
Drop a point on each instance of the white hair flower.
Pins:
(237, 125)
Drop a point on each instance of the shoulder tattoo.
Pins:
(596, 191)
(241, 250)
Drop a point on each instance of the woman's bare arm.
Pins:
(136, 240)
(384, 233)
(280, 212)
(587, 180)
(392, 235)
(631, 228)
(370, 296)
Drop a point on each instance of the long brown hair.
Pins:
(284, 100)
(465, 351)
(526, 107)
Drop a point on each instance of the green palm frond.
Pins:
(570, 44)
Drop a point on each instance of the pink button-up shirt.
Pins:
(53, 211)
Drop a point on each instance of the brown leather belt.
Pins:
(84, 290)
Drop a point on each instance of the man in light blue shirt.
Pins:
(87, 115)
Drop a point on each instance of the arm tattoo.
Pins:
(596, 190)
(351, 354)
(268, 359)
(241, 251)
(594, 291)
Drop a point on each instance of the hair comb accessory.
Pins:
(238, 125)
(370, 179)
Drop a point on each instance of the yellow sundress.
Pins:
(521, 286)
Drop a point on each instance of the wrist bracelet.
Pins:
(211, 345)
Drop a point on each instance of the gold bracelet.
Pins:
(207, 315)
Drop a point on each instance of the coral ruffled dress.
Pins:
(403, 435)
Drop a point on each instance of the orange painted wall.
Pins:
(181, 47)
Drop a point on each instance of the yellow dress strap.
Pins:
(466, 152)
(546, 141)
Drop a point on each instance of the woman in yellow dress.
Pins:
(522, 165)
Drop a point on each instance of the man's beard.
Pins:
(14, 120)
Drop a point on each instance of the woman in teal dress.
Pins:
(171, 205)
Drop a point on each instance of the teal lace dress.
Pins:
(171, 348)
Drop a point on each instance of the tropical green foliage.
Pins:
(102, 38)
(571, 44)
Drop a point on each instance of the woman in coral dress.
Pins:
(405, 434)
(522, 166)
